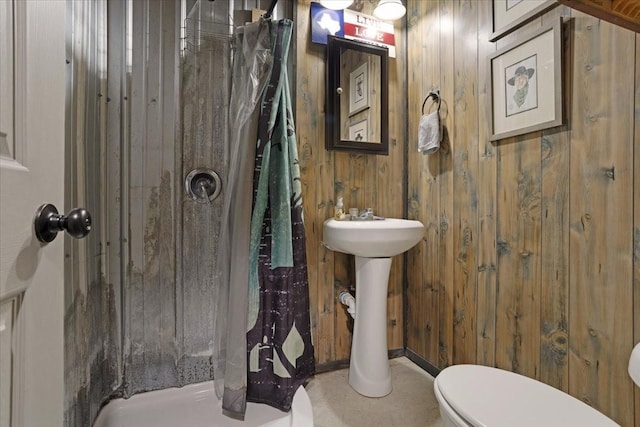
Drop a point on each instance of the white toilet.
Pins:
(473, 395)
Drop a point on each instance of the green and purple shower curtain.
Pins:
(262, 349)
(280, 351)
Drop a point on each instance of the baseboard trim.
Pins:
(342, 364)
(331, 366)
(421, 362)
(396, 352)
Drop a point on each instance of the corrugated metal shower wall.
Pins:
(140, 290)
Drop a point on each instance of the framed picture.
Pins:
(526, 84)
(509, 15)
(359, 89)
(359, 131)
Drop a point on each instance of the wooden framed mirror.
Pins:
(357, 110)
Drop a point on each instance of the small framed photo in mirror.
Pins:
(359, 131)
(359, 89)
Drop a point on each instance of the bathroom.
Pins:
(531, 255)
(530, 260)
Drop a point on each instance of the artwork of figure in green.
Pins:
(521, 87)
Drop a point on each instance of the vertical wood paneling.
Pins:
(554, 297)
(636, 221)
(518, 242)
(465, 163)
(343, 326)
(518, 245)
(446, 257)
(389, 175)
(422, 261)
(316, 169)
(557, 214)
(362, 180)
(427, 189)
(486, 194)
(413, 339)
(518, 228)
(350, 172)
(601, 217)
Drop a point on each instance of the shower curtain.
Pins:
(264, 343)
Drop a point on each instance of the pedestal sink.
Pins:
(373, 243)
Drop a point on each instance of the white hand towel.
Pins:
(430, 128)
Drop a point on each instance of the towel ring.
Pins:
(436, 98)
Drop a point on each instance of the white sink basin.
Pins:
(372, 239)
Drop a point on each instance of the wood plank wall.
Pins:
(362, 180)
(531, 260)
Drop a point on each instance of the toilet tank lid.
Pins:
(493, 397)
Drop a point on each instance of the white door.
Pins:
(32, 126)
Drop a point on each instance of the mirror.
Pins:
(357, 111)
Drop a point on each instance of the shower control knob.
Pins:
(47, 223)
(203, 185)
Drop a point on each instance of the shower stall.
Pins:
(148, 95)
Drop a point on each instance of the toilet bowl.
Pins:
(474, 395)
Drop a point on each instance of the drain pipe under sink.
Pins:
(347, 299)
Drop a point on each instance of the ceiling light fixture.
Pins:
(336, 4)
(389, 10)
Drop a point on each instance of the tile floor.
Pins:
(410, 404)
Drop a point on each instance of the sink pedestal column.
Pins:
(369, 372)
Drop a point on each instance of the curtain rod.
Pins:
(270, 10)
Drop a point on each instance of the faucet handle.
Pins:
(353, 214)
(367, 214)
